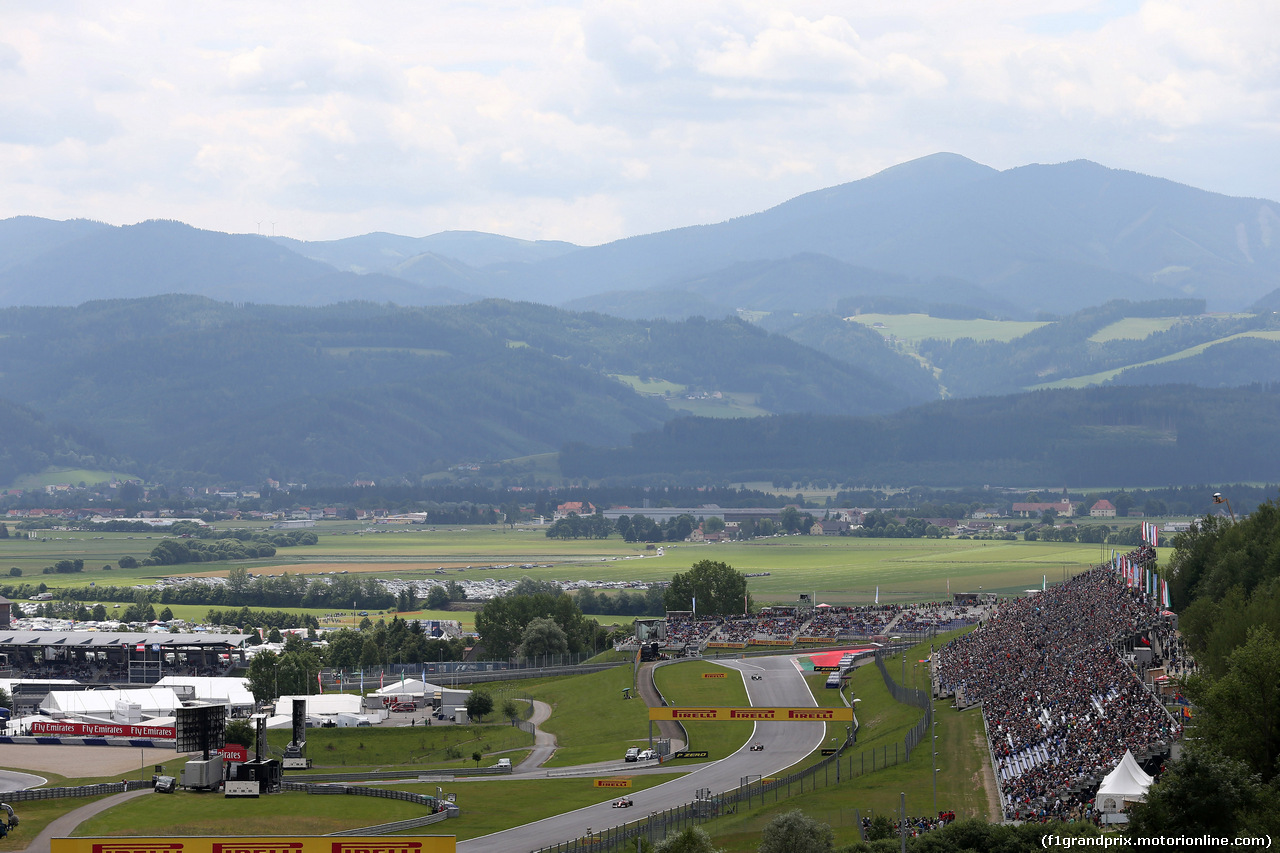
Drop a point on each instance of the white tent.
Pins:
(408, 687)
(232, 692)
(152, 702)
(1127, 782)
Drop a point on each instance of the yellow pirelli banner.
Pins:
(715, 675)
(613, 783)
(793, 715)
(261, 844)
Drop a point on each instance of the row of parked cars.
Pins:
(635, 753)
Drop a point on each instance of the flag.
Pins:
(142, 647)
(320, 681)
(877, 595)
(695, 605)
(382, 680)
(1186, 712)
(402, 678)
(1044, 582)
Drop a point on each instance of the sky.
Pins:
(591, 121)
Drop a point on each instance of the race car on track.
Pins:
(757, 677)
(757, 747)
(623, 803)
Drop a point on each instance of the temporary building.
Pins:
(232, 692)
(1126, 783)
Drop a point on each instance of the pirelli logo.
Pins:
(677, 714)
(715, 675)
(815, 714)
(781, 715)
(259, 844)
(613, 783)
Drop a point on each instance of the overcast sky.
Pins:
(592, 121)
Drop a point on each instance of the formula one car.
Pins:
(757, 747)
(623, 803)
(757, 677)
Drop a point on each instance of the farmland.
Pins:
(838, 569)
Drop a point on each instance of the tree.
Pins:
(262, 676)
(1201, 793)
(796, 832)
(511, 710)
(476, 756)
(6, 701)
(127, 562)
(718, 589)
(241, 732)
(542, 637)
(693, 839)
(1239, 713)
(478, 704)
(166, 615)
(438, 598)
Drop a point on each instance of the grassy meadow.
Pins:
(913, 328)
(840, 570)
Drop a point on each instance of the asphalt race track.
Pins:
(785, 744)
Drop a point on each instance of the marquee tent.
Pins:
(1127, 782)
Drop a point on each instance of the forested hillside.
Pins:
(1142, 435)
(185, 384)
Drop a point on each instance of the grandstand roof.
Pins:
(109, 639)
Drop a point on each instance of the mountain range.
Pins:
(699, 354)
(939, 230)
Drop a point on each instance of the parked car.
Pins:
(408, 707)
(633, 754)
(646, 755)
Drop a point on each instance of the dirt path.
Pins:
(995, 814)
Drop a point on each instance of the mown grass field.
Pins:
(913, 328)
(838, 569)
(682, 684)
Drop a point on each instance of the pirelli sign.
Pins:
(261, 844)
(781, 715)
(613, 783)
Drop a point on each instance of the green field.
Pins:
(838, 569)
(1103, 376)
(1133, 329)
(913, 328)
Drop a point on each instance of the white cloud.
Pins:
(596, 120)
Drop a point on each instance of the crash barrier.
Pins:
(360, 790)
(393, 775)
(658, 825)
(909, 696)
(397, 826)
(98, 790)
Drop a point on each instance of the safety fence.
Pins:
(399, 825)
(98, 790)
(360, 790)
